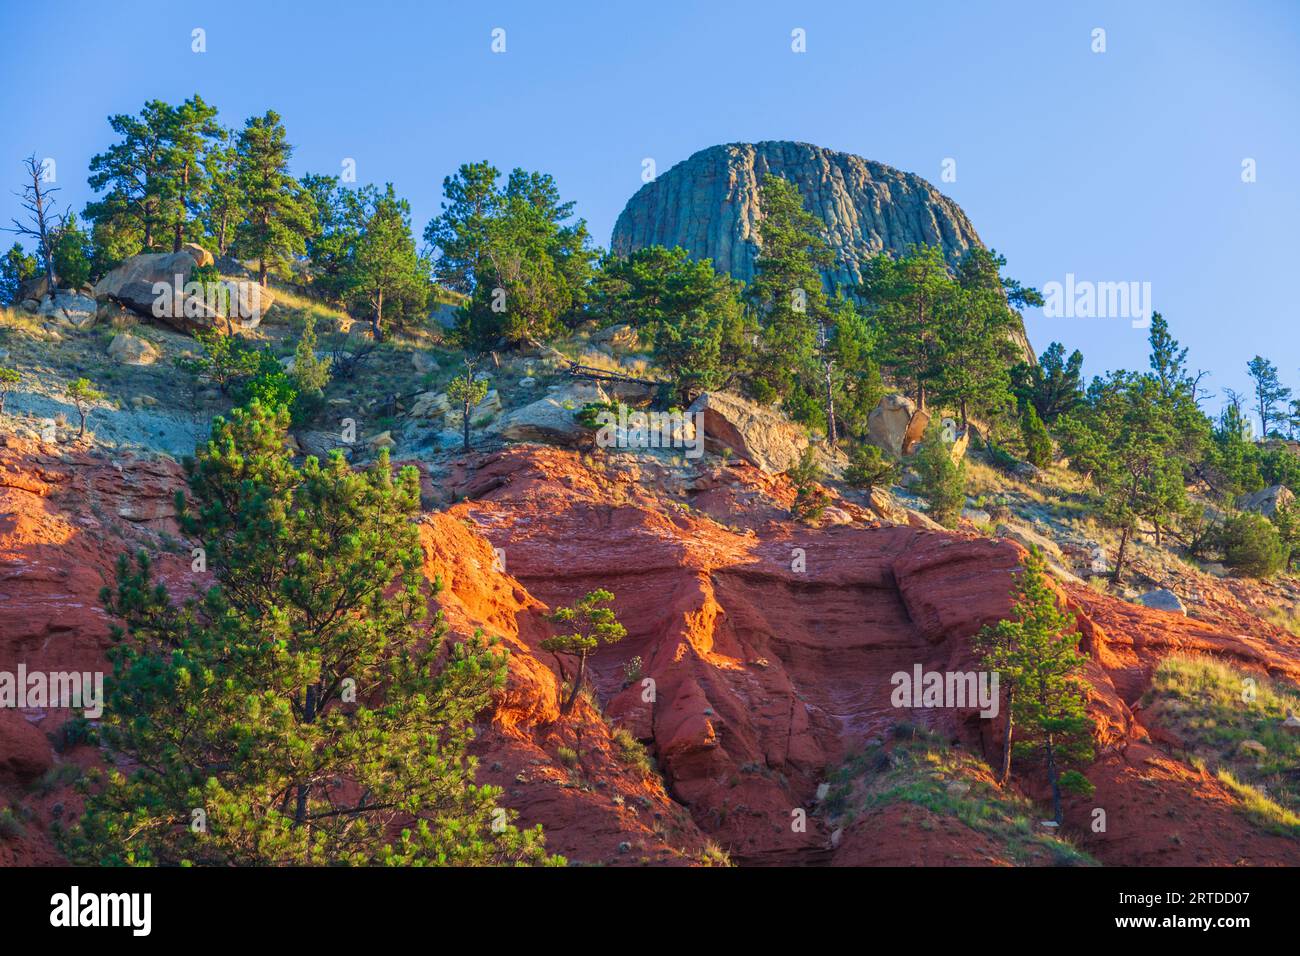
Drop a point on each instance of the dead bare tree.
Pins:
(43, 223)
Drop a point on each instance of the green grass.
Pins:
(631, 751)
(10, 826)
(1206, 703)
(921, 770)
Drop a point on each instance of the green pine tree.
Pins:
(279, 213)
(467, 391)
(594, 623)
(1035, 653)
(298, 712)
(943, 481)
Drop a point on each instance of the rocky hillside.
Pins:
(768, 681)
(768, 644)
(708, 204)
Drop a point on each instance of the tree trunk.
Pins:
(577, 683)
(1119, 556)
(261, 272)
(308, 717)
(1005, 774)
(377, 319)
(465, 424)
(179, 225)
(831, 435)
(1055, 777)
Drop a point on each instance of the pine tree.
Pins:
(797, 362)
(516, 251)
(83, 394)
(974, 346)
(15, 268)
(72, 253)
(223, 201)
(810, 498)
(298, 712)
(693, 313)
(385, 269)
(1038, 443)
(1035, 653)
(1128, 438)
(188, 130)
(460, 233)
(594, 623)
(1269, 392)
(280, 213)
(132, 175)
(467, 391)
(943, 481)
(911, 299)
(1054, 386)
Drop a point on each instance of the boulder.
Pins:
(895, 425)
(24, 752)
(73, 308)
(430, 405)
(423, 362)
(1030, 539)
(145, 268)
(134, 284)
(961, 444)
(128, 349)
(490, 405)
(553, 419)
(1266, 501)
(832, 515)
(1162, 599)
(200, 255)
(882, 503)
(33, 289)
(762, 436)
(1027, 471)
(615, 336)
(319, 444)
(444, 315)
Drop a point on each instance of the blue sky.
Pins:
(1115, 166)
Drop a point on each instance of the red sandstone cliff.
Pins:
(765, 673)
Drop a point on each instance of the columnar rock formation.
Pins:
(708, 204)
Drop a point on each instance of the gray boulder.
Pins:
(1266, 501)
(128, 349)
(72, 308)
(1162, 599)
(152, 284)
(554, 419)
(761, 436)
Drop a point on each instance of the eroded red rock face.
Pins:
(766, 651)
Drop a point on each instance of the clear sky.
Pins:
(1117, 166)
